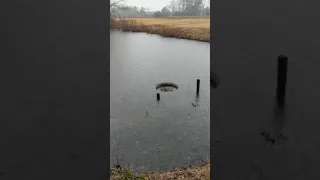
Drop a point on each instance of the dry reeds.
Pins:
(191, 33)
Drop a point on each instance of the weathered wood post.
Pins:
(198, 85)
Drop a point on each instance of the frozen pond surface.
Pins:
(145, 132)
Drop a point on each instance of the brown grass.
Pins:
(185, 173)
(178, 27)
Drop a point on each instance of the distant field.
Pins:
(201, 22)
(189, 17)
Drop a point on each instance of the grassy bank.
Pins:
(185, 173)
(178, 27)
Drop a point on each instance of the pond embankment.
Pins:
(183, 28)
(194, 173)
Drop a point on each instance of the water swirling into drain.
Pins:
(167, 87)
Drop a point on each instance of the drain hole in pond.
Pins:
(167, 87)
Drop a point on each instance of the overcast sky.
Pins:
(154, 5)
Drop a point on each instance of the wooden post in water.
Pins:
(158, 96)
(198, 85)
(282, 78)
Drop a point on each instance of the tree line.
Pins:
(185, 8)
(174, 8)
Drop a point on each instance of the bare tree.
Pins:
(147, 9)
(114, 4)
(174, 6)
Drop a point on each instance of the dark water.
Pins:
(249, 39)
(171, 132)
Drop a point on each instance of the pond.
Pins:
(174, 131)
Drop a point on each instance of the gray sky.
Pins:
(154, 5)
